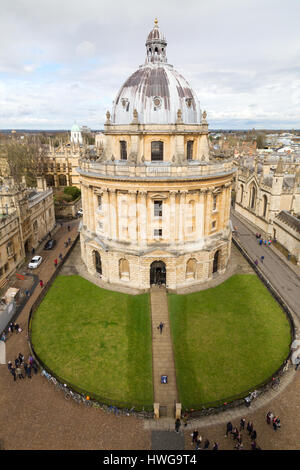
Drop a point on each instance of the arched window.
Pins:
(252, 197)
(124, 269)
(191, 266)
(97, 261)
(157, 151)
(123, 149)
(189, 149)
(265, 205)
(50, 180)
(62, 180)
(242, 193)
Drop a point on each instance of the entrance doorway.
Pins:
(158, 273)
(216, 262)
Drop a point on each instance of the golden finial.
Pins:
(155, 21)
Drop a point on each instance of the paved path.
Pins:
(281, 276)
(162, 353)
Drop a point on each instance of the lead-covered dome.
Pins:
(156, 91)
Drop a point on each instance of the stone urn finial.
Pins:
(179, 116)
(107, 117)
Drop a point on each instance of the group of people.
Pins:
(238, 436)
(274, 420)
(197, 442)
(14, 327)
(20, 366)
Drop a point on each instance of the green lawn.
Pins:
(226, 339)
(97, 339)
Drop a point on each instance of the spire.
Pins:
(279, 168)
(156, 45)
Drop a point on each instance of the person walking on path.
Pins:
(28, 370)
(250, 427)
(177, 425)
(12, 370)
(60, 257)
(206, 444)
(269, 417)
(216, 446)
(160, 326)
(41, 283)
(228, 428)
(194, 436)
(55, 263)
(262, 259)
(198, 442)
(19, 373)
(242, 424)
(253, 435)
(21, 358)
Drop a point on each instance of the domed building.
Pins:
(155, 205)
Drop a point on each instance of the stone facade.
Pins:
(155, 203)
(26, 217)
(287, 233)
(262, 194)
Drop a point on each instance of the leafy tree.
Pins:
(73, 191)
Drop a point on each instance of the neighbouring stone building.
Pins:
(26, 217)
(267, 188)
(286, 229)
(155, 202)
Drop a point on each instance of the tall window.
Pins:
(157, 208)
(189, 149)
(99, 202)
(157, 151)
(123, 149)
(214, 202)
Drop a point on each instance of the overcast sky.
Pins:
(63, 61)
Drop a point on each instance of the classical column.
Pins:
(132, 216)
(200, 215)
(113, 213)
(182, 210)
(106, 215)
(142, 217)
(172, 216)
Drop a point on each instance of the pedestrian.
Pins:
(198, 442)
(9, 365)
(235, 433)
(32, 251)
(41, 283)
(262, 259)
(206, 444)
(17, 327)
(250, 427)
(21, 358)
(239, 446)
(69, 228)
(3, 337)
(228, 428)
(216, 446)
(297, 362)
(260, 241)
(17, 362)
(276, 423)
(242, 424)
(256, 262)
(19, 373)
(194, 436)
(185, 419)
(269, 417)
(177, 425)
(35, 366)
(27, 293)
(60, 257)
(13, 373)
(30, 360)
(265, 242)
(69, 241)
(55, 263)
(28, 370)
(253, 435)
(160, 326)
(253, 445)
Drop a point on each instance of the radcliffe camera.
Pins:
(149, 228)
